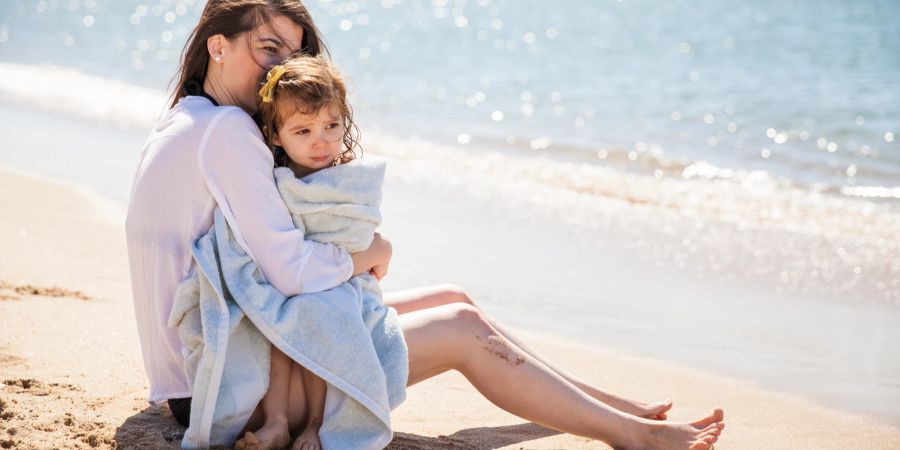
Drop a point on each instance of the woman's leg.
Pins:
(273, 432)
(429, 297)
(457, 336)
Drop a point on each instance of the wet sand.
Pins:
(72, 375)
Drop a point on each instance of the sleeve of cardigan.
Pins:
(237, 167)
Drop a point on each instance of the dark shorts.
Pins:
(181, 409)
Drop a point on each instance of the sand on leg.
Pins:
(457, 336)
(415, 299)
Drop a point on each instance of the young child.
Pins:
(308, 123)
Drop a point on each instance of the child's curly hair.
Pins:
(308, 84)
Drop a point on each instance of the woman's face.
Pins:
(250, 55)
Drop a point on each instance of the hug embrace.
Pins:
(255, 264)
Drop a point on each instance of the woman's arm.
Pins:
(237, 168)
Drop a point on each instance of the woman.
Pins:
(207, 152)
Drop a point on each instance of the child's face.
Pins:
(312, 141)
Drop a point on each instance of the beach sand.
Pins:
(72, 376)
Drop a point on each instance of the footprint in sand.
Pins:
(38, 420)
(5, 413)
(37, 388)
(10, 291)
(8, 359)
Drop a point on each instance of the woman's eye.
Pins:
(270, 49)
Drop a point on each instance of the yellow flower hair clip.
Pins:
(268, 89)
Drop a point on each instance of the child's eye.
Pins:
(303, 131)
(333, 125)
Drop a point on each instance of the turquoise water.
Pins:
(808, 91)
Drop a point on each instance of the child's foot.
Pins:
(273, 435)
(697, 435)
(308, 440)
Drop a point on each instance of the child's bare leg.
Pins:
(315, 396)
(297, 402)
(428, 297)
(274, 433)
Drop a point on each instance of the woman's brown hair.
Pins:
(230, 18)
(308, 84)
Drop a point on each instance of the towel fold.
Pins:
(228, 316)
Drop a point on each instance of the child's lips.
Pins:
(320, 158)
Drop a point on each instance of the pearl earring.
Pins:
(218, 58)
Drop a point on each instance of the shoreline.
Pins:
(99, 400)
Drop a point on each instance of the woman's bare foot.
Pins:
(273, 435)
(697, 435)
(652, 411)
(308, 440)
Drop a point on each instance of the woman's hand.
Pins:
(375, 259)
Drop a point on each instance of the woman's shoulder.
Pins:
(200, 113)
(231, 137)
(221, 117)
(195, 123)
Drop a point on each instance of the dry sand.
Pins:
(72, 376)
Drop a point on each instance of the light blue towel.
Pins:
(227, 315)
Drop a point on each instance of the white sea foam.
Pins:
(714, 222)
(871, 192)
(70, 91)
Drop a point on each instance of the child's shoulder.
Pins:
(365, 167)
(283, 173)
(358, 171)
(368, 162)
